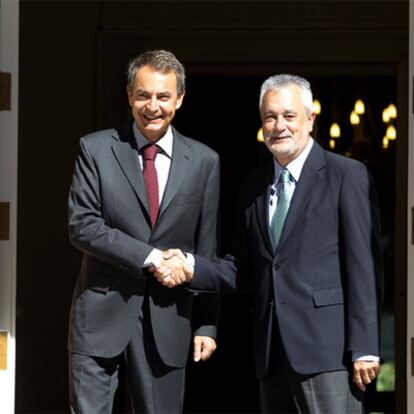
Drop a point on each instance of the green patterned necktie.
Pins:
(282, 208)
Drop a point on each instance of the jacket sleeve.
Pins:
(230, 274)
(88, 229)
(361, 256)
(207, 305)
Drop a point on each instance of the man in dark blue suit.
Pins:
(308, 244)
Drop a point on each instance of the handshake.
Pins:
(173, 269)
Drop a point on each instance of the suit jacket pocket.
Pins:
(98, 283)
(327, 297)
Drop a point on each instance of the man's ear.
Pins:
(180, 101)
(130, 97)
(311, 120)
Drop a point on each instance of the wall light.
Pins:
(354, 118)
(317, 107)
(391, 133)
(385, 143)
(335, 130)
(359, 107)
(392, 110)
(260, 135)
(332, 144)
(386, 115)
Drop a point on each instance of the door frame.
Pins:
(9, 56)
(410, 221)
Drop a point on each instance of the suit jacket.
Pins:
(109, 222)
(322, 284)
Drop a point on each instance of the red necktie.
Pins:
(149, 153)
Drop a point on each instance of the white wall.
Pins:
(410, 293)
(9, 52)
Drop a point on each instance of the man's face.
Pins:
(286, 124)
(154, 100)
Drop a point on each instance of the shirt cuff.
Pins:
(358, 356)
(153, 259)
(189, 258)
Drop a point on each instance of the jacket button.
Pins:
(277, 266)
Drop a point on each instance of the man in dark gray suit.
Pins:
(307, 243)
(136, 191)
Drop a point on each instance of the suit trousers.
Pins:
(285, 391)
(153, 386)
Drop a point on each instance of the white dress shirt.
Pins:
(162, 166)
(163, 158)
(295, 169)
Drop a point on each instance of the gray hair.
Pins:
(160, 61)
(277, 82)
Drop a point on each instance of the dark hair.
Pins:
(161, 61)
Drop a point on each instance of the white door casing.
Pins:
(9, 52)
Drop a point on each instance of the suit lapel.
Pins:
(310, 177)
(179, 167)
(125, 151)
(262, 207)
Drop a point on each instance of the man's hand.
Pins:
(204, 346)
(173, 270)
(365, 372)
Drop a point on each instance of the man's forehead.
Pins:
(148, 88)
(146, 76)
(283, 110)
(288, 90)
(151, 71)
(287, 98)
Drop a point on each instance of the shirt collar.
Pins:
(165, 142)
(295, 166)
